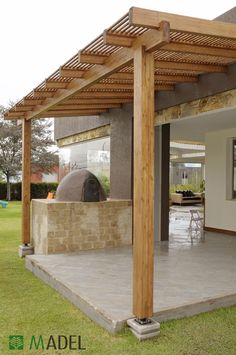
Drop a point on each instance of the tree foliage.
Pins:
(43, 158)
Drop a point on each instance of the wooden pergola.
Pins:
(145, 51)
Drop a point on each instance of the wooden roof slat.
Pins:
(114, 62)
(123, 20)
(176, 78)
(113, 86)
(203, 40)
(178, 23)
(196, 50)
(167, 77)
(190, 66)
(190, 58)
(183, 48)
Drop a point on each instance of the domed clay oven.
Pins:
(80, 185)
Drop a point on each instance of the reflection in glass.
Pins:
(93, 155)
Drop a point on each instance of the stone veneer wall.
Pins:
(59, 227)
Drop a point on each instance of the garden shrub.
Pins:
(38, 190)
(105, 182)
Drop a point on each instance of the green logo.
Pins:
(16, 342)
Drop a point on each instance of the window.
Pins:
(93, 155)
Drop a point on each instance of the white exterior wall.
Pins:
(50, 177)
(220, 212)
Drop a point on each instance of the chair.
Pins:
(196, 220)
(3, 203)
(50, 196)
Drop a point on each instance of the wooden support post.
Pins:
(25, 194)
(165, 180)
(143, 202)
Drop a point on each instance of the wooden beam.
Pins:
(70, 113)
(116, 61)
(114, 39)
(165, 87)
(113, 86)
(75, 112)
(49, 84)
(43, 93)
(143, 200)
(87, 106)
(99, 101)
(122, 76)
(71, 73)
(190, 66)
(15, 114)
(162, 77)
(102, 95)
(91, 58)
(23, 108)
(178, 23)
(26, 172)
(176, 78)
(30, 102)
(203, 50)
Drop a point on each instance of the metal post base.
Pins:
(25, 249)
(144, 328)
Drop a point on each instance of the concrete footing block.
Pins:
(25, 250)
(144, 331)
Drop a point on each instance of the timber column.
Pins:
(143, 196)
(25, 248)
(143, 200)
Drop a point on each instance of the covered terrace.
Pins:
(141, 55)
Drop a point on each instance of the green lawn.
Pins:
(29, 307)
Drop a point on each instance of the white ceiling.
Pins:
(194, 128)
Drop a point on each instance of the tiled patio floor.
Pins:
(194, 272)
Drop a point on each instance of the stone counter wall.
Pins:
(59, 227)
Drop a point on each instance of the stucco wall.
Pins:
(220, 212)
(59, 227)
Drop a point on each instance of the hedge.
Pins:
(38, 190)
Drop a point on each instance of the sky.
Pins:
(37, 36)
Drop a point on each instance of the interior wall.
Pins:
(220, 212)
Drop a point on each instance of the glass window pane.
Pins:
(234, 168)
(93, 155)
